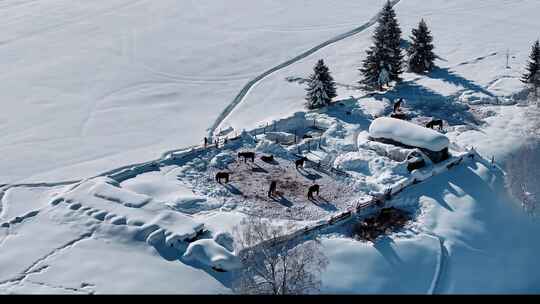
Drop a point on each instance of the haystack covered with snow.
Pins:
(396, 131)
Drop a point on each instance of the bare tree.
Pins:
(274, 266)
(523, 166)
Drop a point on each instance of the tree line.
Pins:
(385, 61)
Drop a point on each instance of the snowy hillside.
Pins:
(101, 192)
(117, 82)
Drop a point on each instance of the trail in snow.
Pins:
(440, 265)
(29, 270)
(245, 90)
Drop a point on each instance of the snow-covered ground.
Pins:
(100, 84)
(471, 40)
(119, 82)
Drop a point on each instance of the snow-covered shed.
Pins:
(403, 133)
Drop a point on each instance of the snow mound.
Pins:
(173, 226)
(396, 153)
(355, 161)
(105, 190)
(222, 160)
(193, 204)
(477, 98)
(408, 133)
(268, 147)
(210, 253)
(282, 137)
(169, 191)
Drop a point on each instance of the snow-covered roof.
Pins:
(408, 133)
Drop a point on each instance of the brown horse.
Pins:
(300, 162)
(222, 175)
(313, 189)
(397, 105)
(267, 158)
(434, 123)
(272, 190)
(247, 155)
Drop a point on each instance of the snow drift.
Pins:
(212, 254)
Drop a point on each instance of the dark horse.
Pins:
(222, 175)
(272, 190)
(267, 158)
(397, 105)
(300, 162)
(434, 123)
(247, 155)
(313, 189)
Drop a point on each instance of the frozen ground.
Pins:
(113, 85)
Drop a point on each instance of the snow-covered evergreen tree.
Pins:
(321, 87)
(385, 53)
(532, 73)
(421, 56)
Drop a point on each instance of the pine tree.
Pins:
(421, 56)
(321, 87)
(532, 74)
(385, 53)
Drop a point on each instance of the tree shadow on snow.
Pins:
(446, 75)
(383, 245)
(422, 101)
(348, 111)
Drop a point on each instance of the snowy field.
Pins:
(119, 82)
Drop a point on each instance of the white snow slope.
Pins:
(93, 85)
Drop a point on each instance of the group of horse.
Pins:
(224, 176)
(431, 124)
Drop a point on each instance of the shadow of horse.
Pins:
(258, 169)
(234, 190)
(309, 175)
(321, 202)
(282, 200)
